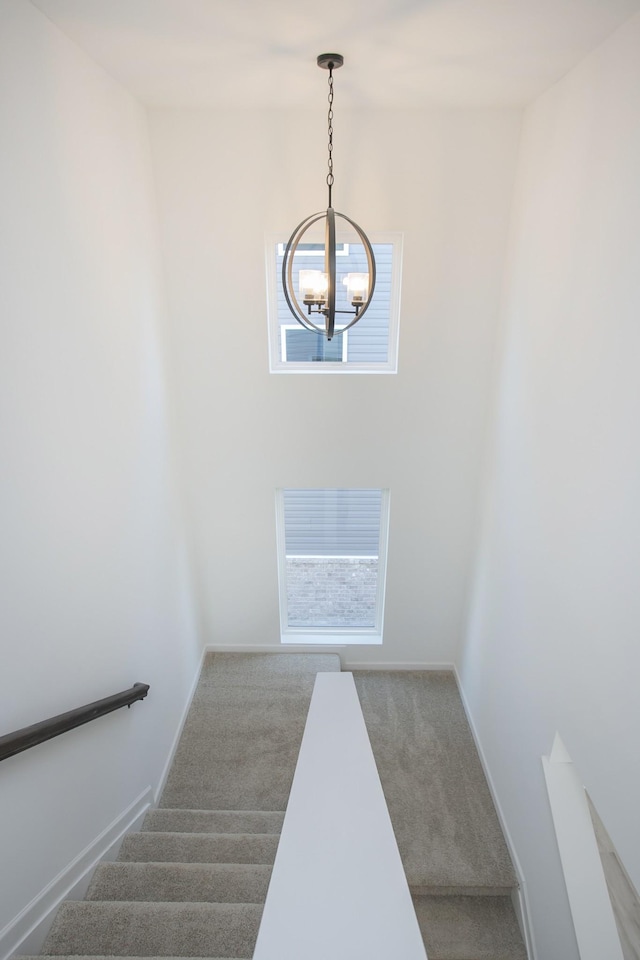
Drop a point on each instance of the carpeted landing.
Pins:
(240, 744)
(452, 848)
(193, 881)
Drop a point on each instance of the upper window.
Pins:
(371, 345)
(332, 559)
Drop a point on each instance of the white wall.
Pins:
(95, 592)
(225, 179)
(553, 635)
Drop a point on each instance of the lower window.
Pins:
(332, 564)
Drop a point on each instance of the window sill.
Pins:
(342, 369)
(333, 639)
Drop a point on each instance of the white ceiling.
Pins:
(397, 52)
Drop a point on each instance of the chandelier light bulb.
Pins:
(357, 285)
(313, 286)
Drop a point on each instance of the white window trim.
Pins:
(333, 636)
(276, 364)
(298, 326)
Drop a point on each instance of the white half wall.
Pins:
(94, 572)
(552, 642)
(594, 923)
(225, 180)
(338, 887)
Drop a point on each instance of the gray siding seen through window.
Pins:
(304, 345)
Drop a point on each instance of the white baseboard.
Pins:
(348, 662)
(176, 740)
(520, 897)
(26, 933)
(273, 648)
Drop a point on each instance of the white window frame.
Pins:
(342, 250)
(297, 326)
(278, 365)
(333, 636)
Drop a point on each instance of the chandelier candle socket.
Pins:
(317, 289)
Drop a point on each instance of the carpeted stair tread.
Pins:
(76, 956)
(154, 929)
(199, 847)
(439, 802)
(242, 736)
(469, 928)
(214, 821)
(186, 882)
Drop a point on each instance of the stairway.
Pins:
(193, 881)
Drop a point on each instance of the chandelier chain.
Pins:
(330, 133)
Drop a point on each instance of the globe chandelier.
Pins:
(317, 289)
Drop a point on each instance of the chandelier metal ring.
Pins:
(288, 287)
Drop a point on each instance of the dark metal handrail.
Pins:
(20, 740)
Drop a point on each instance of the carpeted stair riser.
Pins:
(195, 882)
(155, 929)
(213, 821)
(469, 928)
(92, 956)
(199, 848)
(459, 891)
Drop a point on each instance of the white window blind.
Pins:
(332, 522)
